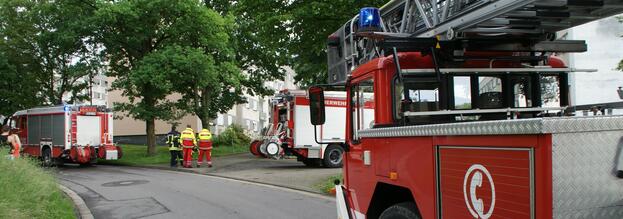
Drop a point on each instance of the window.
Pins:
(416, 94)
(490, 92)
(230, 120)
(255, 103)
(522, 91)
(220, 119)
(462, 92)
(550, 91)
(248, 124)
(362, 100)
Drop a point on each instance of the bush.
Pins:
(233, 135)
(28, 191)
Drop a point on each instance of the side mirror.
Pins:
(316, 105)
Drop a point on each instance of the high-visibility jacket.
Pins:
(187, 138)
(173, 141)
(205, 140)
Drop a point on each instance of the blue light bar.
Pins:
(369, 19)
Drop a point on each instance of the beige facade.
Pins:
(252, 116)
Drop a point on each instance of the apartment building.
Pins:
(251, 116)
(98, 90)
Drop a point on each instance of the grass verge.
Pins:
(328, 184)
(28, 191)
(136, 155)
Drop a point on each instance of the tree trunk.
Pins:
(151, 136)
(205, 120)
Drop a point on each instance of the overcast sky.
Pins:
(605, 50)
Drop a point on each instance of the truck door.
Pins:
(368, 151)
(22, 126)
(88, 130)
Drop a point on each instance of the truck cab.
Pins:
(472, 121)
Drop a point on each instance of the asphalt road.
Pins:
(126, 192)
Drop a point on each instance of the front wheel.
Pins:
(46, 157)
(405, 210)
(333, 156)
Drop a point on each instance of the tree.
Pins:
(17, 90)
(154, 46)
(287, 32)
(310, 25)
(249, 46)
(48, 42)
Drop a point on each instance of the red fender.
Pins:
(253, 147)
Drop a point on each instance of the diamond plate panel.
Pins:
(584, 165)
(503, 127)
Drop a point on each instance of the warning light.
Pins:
(369, 19)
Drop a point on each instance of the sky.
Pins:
(605, 50)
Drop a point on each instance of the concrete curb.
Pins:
(234, 178)
(81, 206)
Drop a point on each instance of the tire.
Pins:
(405, 210)
(46, 157)
(333, 156)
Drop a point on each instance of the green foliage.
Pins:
(233, 135)
(48, 43)
(329, 183)
(156, 48)
(311, 24)
(14, 86)
(27, 191)
(258, 39)
(273, 33)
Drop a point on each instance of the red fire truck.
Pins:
(291, 132)
(76, 134)
(471, 113)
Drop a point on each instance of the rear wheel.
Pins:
(333, 156)
(46, 157)
(405, 210)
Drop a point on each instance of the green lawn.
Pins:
(328, 184)
(28, 191)
(137, 154)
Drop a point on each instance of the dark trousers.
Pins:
(175, 155)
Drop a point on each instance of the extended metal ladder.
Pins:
(455, 18)
(520, 25)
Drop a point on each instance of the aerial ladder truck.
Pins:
(472, 115)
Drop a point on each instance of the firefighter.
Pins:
(173, 141)
(188, 142)
(16, 145)
(205, 147)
